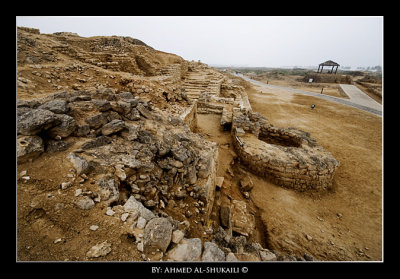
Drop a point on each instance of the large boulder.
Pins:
(79, 163)
(56, 106)
(96, 121)
(212, 253)
(29, 147)
(66, 127)
(157, 234)
(102, 105)
(113, 127)
(132, 205)
(186, 250)
(35, 121)
(121, 107)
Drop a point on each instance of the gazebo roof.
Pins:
(329, 63)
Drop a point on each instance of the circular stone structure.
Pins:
(287, 157)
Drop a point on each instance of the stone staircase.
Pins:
(200, 81)
(173, 71)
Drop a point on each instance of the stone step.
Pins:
(196, 81)
(196, 87)
(193, 94)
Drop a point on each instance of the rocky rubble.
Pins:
(149, 169)
(151, 150)
(156, 162)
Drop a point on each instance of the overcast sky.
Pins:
(259, 41)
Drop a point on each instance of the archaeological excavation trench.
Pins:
(286, 157)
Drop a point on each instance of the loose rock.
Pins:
(85, 203)
(113, 127)
(212, 253)
(141, 223)
(35, 121)
(94, 227)
(177, 236)
(157, 234)
(187, 250)
(99, 250)
(79, 163)
(57, 106)
(29, 147)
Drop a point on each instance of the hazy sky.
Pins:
(239, 40)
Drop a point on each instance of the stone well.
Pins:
(287, 157)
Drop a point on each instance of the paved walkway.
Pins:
(358, 99)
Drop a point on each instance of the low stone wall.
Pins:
(209, 185)
(226, 118)
(244, 103)
(190, 117)
(207, 108)
(287, 157)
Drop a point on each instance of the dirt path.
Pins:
(344, 223)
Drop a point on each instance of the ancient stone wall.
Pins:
(190, 117)
(287, 157)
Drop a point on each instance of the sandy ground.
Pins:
(345, 223)
(45, 214)
(330, 89)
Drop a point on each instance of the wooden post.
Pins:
(322, 90)
(336, 69)
(318, 68)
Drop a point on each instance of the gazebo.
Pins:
(328, 63)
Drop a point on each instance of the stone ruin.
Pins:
(146, 159)
(127, 137)
(287, 157)
(150, 166)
